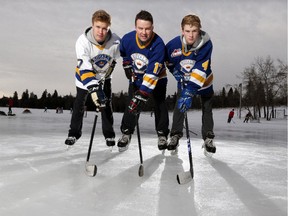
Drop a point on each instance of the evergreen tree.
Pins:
(15, 99)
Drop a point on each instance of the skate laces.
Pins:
(125, 138)
(174, 140)
(72, 138)
(209, 142)
(162, 140)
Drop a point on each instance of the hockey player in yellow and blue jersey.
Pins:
(188, 58)
(97, 50)
(143, 53)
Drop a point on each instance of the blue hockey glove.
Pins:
(185, 100)
(98, 96)
(128, 68)
(178, 75)
(138, 102)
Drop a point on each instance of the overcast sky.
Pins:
(38, 37)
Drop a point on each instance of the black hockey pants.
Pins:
(78, 113)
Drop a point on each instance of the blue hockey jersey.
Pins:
(147, 60)
(194, 63)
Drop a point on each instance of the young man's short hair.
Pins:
(191, 20)
(102, 16)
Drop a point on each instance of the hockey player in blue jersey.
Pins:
(143, 53)
(188, 58)
(97, 50)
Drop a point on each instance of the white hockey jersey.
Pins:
(94, 59)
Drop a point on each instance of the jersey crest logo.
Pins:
(101, 63)
(176, 52)
(187, 65)
(140, 62)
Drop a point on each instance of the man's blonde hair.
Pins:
(191, 20)
(102, 16)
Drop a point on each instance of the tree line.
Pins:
(263, 87)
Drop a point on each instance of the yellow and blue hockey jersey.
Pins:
(147, 60)
(193, 62)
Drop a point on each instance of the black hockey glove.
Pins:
(128, 69)
(98, 96)
(138, 102)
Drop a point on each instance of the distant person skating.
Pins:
(10, 110)
(10, 105)
(230, 115)
(247, 117)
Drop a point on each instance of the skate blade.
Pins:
(68, 147)
(122, 149)
(208, 154)
(174, 152)
(110, 148)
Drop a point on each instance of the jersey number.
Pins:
(205, 65)
(157, 68)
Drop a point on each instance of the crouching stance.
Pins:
(143, 54)
(188, 58)
(97, 50)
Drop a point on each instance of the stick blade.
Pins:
(184, 177)
(91, 170)
(141, 170)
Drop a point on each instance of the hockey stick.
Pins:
(91, 169)
(141, 168)
(192, 132)
(187, 176)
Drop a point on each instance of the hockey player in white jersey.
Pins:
(97, 50)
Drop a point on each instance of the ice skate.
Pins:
(110, 142)
(173, 144)
(162, 143)
(71, 140)
(209, 147)
(123, 142)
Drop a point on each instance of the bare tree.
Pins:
(264, 82)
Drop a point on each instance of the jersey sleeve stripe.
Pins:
(198, 77)
(87, 74)
(209, 80)
(149, 81)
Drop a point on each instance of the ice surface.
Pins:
(38, 176)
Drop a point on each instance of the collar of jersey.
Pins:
(146, 44)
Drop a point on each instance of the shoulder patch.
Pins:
(176, 52)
